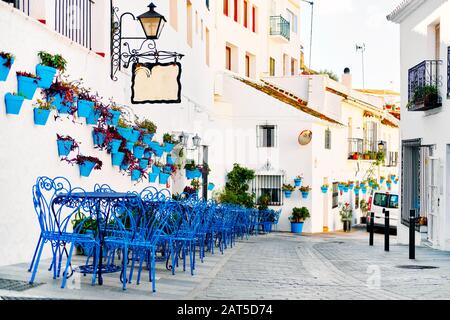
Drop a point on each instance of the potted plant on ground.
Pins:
(299, 215)
(6, 61)
(324, 188)
(42, 112)
(288, 189)
(305, 191)
(27, 84)
(169, 142)
(364, 206)
(48, 67)
(13, 103)
(298, 181)
(346, 214)
(65, 144)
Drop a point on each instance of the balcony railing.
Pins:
(73, 19)
(279, 26)
(22, 5)
(424, 82)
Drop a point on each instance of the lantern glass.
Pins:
(152, 23)
(196, 140)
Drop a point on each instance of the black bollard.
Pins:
(412, 234)
(386, 230)
(371, 227)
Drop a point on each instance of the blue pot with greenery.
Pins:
(305, 195)
(114, 117)
(297, 228)
(5, 67)
(324, 189)
(159, 151)
(129, 146)
(13, 103)
(345, 189)
(125, 132)
(138, 152)
(117, 158)
(147, 138)
(211, 186)
(41, 116)
(85, 107)
(163, 177)
(152, 177)
(124, 166)
(364, 190)
(287, 194)
(86, 168)
(135, 175)
(114, 145)
(93, 117)
(167, 169)
(99, 138)
(298, 182)
(169, 160)
(64, 147)
(156, 169)
(134, 136)
(47, 74)
(168, 147)
(143, 164)
(27, 86)
(192, 174)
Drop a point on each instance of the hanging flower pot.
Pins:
(85, 108)
(47, 74)
(125, 132)
(364, 190)
(153, 144)
(396, 181)
(346, 189)
(152, 177)
(124, 166)
(143, 164)
(148, 153)
(192, 174)
(62, 104)
(65, 146)
(117, 158)
(211, 186)
(138, 151)
(287, 194)
(341, 187)
(147, 138)
(305, 191)
(87, 164)
(298, 182)
(113, 118)
(305, 195)
(6, 61)
(27, 84)
(134, 136)
(163, 178)
(388, 185)
(351, 186)
(324, 189)
(168, 147)
(41, 116)
(93, 117)
(159, 151)
(135, 175)
(167, 169)
(393, 177)
(86, 168)
(98, 137)
(156, 169)
(114, 145)
(13, 103)
(169, 160)
(129, 146)
(357, 191)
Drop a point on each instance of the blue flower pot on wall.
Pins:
(125, 132)
(364, 191)
(41, 116)
(211, 186)
(4, 70)
(138, 152)
(135, 175)
(99, 138)
(93, 117)
(13, 103)
(297, 227)
(305, 195)
(156, 169)
(113, 120)
(381, 181)
(153, 144)
(357, 191)
(47, 74)
(117, 158)
(163, 178)
(267, 227)
(388, 185)
(324, 189)
(85, 108)
(341, 187)
(159, 151)
(152, 177)
(192, 174)
(167, 169)
(134, 136)
(64, 147)
(64, 107)
(86, 168)
(129, 146)
(27, 86)
(288, 194)
(143, 164)
(298, 182)
(124, 166)
(352, 186)
(114, 145)
(169, 160)
(168, 147)
(345, 189)
(147, 138)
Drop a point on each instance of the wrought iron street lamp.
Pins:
(381, 146)
(152, 22)
(183, 139)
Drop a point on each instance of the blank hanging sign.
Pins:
(156, 83)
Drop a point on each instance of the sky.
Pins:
(341, 24)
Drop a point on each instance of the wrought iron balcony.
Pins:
(355, 148)
(279, 26)
(424, 82)
(22, 5)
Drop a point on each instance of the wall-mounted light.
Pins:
(152, 22)
(196, 140)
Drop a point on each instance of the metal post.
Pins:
(412, 234)
(205, 173)
(386, 230)
(371, 227)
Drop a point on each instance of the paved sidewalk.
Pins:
(276, 266)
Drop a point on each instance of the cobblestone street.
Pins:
(278, 266)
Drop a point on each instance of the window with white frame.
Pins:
(266, 136)
(270, 185)
(371, 134)
(293, 20)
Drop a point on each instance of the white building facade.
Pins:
(425, 42)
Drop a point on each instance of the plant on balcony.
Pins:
(427, 95)
(42, 112)
(288, 189)
(6, 61)
(48, 67)
(354, 156)
(297, 219)
(66, 144)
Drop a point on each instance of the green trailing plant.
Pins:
(305, 189)
(55, 61)
(421, 93)
(237, 187)
(288, 187)
(195, 183)
(168, 138)
(147, 125)
(299, 215)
